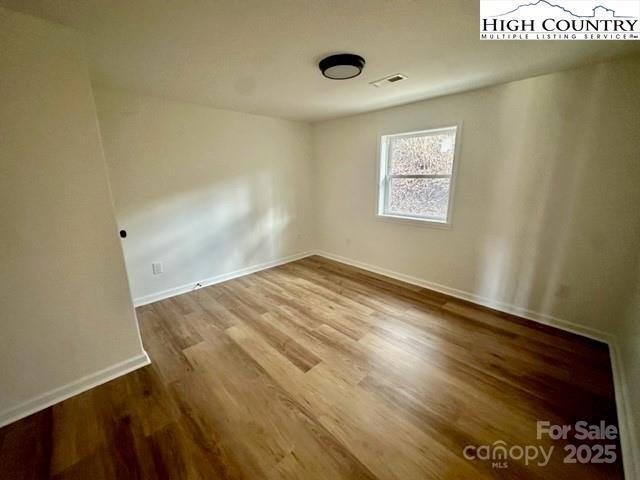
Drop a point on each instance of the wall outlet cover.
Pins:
(157, 268)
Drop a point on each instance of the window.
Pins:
(416, 175)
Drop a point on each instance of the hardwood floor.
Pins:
(317, 370)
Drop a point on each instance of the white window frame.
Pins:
(384, 179)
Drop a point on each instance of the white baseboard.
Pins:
(172, 292)
(59, 394)
(543, 318)
(625, 422)
(630, 451)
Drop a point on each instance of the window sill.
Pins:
(416, 221)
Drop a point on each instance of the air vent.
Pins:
(395, 78)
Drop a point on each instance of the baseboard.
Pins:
(625, 423)
(172, 292)
(59, 394)
(545, 319)
(630, 451)
(85, 383)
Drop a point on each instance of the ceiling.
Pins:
(261, 56)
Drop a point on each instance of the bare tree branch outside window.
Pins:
(418, 174)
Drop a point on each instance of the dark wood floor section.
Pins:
(317, 370)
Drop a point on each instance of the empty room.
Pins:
(320, 239)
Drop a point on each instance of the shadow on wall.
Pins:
(204, 191)
(221, 227)
(543, 234)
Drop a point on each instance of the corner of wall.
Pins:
(71, 389)
(622, 383)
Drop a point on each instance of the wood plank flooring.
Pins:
(317, 370)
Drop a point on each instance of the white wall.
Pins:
(204, 191)
(65, 303)
(545, 213)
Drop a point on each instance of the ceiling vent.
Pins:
(395, 78)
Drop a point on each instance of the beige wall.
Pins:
(629, 340)
(546, 217)
(207, 192)
(545, 214)
(65, 303)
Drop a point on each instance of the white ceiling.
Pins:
(261, 56)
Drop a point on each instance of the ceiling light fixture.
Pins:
(342, 66)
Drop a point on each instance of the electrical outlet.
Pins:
(157, 268)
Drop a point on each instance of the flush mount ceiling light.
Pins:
(342, 66)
